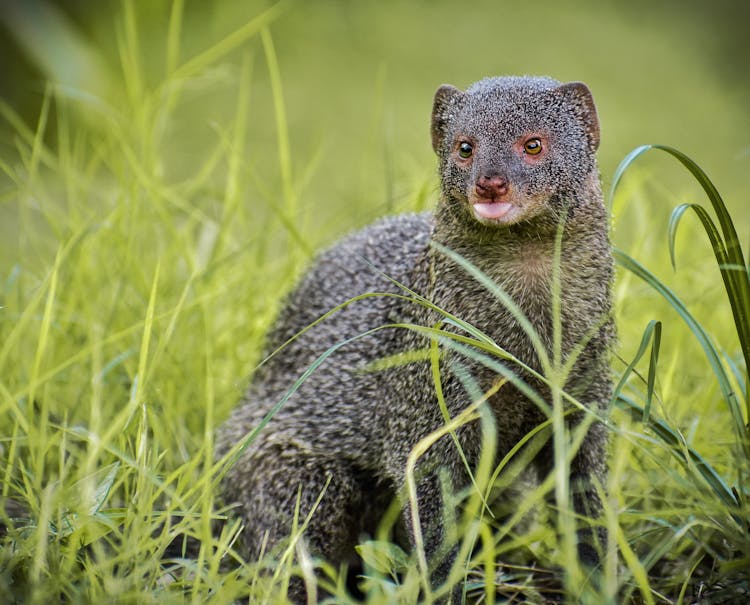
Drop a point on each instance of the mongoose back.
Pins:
(517, 168)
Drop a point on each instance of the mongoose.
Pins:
(516, 161)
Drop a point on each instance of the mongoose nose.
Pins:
(491, 187)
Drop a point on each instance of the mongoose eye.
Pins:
(532, 146)
(465, 150)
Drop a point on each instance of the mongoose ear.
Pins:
(446, 98)
(579, 96)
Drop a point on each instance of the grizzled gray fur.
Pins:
(516, 160)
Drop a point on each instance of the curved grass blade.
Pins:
(725, 219)
(734, 249)
(629, 263)
(624, 165)
(734, 275)
(282, 124)
(729, 254)
(717, 243)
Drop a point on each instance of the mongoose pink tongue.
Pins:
(492, 210)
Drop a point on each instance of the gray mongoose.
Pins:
(516, 160)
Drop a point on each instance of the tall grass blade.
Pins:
(230, 42)
(37, 147)
(282, 126)
(437, 382)
(130, 59)
(173, 35)
(652, 334)
(634, 566)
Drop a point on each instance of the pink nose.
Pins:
(491, 187)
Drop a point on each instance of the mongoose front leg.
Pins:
(587, 474)
(279, 480)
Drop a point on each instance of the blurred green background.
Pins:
(149, 170)
(358, 79)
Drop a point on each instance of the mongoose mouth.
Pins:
(492, 211)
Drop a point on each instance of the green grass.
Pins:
(147, 259)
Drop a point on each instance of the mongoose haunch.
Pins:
(516, 161)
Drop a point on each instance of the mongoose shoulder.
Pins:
(517, 167)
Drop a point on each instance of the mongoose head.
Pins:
(514, 149)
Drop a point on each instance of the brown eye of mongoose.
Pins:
(532, 146)
(465, 150)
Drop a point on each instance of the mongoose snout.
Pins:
(491, 201)
(492, 187)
